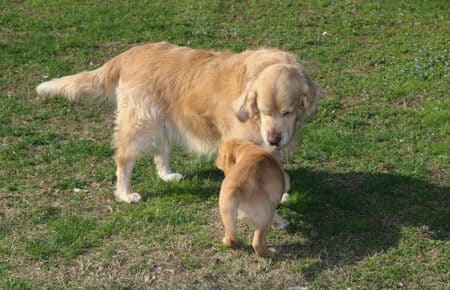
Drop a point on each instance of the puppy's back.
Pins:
(257, 174)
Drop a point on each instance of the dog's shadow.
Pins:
(344, 217)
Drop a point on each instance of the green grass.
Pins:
(370, 196)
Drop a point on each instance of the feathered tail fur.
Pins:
(101, 82)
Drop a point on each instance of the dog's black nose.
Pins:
(274, 139)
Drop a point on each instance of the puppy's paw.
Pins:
(172, 177)
(265, 253)
(278, 222)
(284, 197)
(129, 198)
(229, 242)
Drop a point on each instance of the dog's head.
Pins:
(279, 96)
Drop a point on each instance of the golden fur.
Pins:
(253, 186)
(199, 98)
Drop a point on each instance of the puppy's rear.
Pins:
(254, 183)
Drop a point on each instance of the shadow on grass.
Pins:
(349, 216)
(344, 217)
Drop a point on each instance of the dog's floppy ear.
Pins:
(225, 158)
(308, 101)
(245, 106)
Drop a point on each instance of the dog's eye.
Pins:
(285, 113)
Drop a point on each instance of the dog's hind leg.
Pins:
(134, 136)
(125, 163)
(129, 146)
(162, 162)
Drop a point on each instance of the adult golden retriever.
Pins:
(199, 98)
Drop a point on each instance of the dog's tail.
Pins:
(101, 82)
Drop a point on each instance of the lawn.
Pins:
(370, 198)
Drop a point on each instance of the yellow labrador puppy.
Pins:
(253, 186)
(167, 94)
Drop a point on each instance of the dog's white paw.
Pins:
(284, 197)
(135, 197)
(172, 177)
(129, 198)
(278, 222)
(282, 225)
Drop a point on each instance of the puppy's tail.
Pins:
(101, 82)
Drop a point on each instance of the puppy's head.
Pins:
(226, 157)
(230, 152)
(279, 96)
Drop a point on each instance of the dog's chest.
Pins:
(249, 131)
(202, 131)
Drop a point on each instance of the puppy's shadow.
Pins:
(345, 217)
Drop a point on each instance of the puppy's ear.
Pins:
(309, 100)
(220, 160)
(225, 158)
(245, 106)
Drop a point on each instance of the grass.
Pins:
(370, 194)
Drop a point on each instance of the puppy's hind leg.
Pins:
(228, 205)
(261, 220)
(259, 241)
